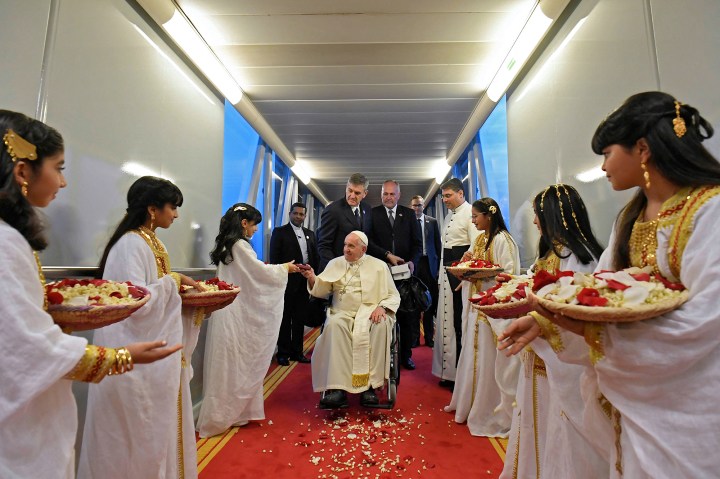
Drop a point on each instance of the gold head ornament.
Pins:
(239, 208)
(18, 147)
(492, 209)
(679, 122)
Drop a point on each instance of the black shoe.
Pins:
(409, 364)
(415, 344)
(300, 358)
(369, 398)
(334, 399)
(429, 343)
(444, 383)
(283, 361)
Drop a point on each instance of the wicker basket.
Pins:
(203, 299)
(513, 309)
(614, 315)
(81, 318)
(469, 274)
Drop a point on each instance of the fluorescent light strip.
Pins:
(552, 58)
(440, 171)
(301, 172)
(137, 169)
(200, 53)
(171, 62)
(588, 176)
(529, 37)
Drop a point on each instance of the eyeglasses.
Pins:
(417, 206)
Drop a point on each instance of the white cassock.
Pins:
(547, 438)
(352, 353)
(38, 414)
(486, 379)
(240, 342)
(663, 374)
(132, 422)
(458, 230)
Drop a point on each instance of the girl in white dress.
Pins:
(547, 439)
(241, 338)
(485, 381)
(147, 416)
(658, 378)
(38, 414)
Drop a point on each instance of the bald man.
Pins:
(351, 354)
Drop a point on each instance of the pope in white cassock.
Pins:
(352, 353)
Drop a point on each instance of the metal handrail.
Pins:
(61, 272)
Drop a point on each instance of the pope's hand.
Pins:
(467, 256)
(378, 315)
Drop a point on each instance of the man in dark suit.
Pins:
(395, 238)
(341, 217)
(428, 267)
(293, 242)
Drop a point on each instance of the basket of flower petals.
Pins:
(474, 269)
(216, 292)
(507, 299)
(631, 294)
(81, 304)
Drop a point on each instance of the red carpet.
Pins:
(299, 441)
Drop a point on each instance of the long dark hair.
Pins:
(564, 222)
(683, 161)
(146, 191)
(231, 230)
(497, 223)
(15, 209)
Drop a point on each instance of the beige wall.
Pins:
(115, 99)
(623, 47)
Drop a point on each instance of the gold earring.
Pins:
(24, 188)
(152, 220)
(646, 176)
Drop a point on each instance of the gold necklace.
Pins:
(42, 279)
(643, 239)
(162, 259)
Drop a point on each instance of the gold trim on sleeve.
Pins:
(550, 332)
(96, 363)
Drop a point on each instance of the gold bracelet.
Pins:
(123, 362)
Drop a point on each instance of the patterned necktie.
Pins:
(391, 218)
(357, 218)
(422, 233)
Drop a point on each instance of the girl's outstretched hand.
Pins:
(149, 352)
(521, 332)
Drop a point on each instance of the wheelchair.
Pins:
(393, 380)
(388, 394)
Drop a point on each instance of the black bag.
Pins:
(414, 295)
(317, 312)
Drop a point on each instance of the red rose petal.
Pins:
(54, 297)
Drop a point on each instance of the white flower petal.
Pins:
(635, 295)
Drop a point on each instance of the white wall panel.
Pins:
(116, 98)
(554, 111)
(688, 39)
(22, 54)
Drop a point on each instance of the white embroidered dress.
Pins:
(547, 438)
(486, 380)
(38, 414)
(132, 422)
(240, 342)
